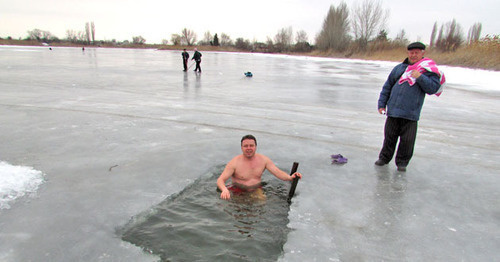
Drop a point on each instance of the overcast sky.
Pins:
(156, 20)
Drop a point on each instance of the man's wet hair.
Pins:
(249, 137)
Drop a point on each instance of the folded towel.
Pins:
(422, 66)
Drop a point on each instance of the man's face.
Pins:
(248, 147)
(415, 55)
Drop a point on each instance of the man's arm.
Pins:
(224, 176)
(279, 173)
(393, 77)
(428, 82)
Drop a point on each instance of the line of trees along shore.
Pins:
(360, 28)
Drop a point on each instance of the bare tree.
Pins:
(301, 37)
(450, 37)
(87, 31)
(439, 39)
(401, 39)
(81, 36)
(301, 42)
(270, 44)
(382, 36)
(454, 37)
(335, 32)
(269, 41)
(175, 39)
(474, 33)
(138, 40)
(35, 34)
(433, 34)
(243, 44)
(225, 40)
(92, 29)
(71, 36)
(188, 36)
(164, 42)
(283, 39)
(41, 35)
(368, 18)
(207, 38)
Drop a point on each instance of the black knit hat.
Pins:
(416, 45)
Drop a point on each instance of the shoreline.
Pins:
(465, 57)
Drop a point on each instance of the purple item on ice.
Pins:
(338, 159)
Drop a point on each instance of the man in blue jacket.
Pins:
(402, 98)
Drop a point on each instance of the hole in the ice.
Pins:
(195, 224)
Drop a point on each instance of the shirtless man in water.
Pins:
(246, 170)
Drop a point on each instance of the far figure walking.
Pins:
(197, 59)
(185, 58)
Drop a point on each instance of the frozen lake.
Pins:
(115, 132)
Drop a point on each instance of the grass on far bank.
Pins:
(480, 56)
(484, 55)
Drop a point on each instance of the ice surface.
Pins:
(117, 131)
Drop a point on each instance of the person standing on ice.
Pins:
(185, 58)
(246, 169)
(197, 59)
(402, 98)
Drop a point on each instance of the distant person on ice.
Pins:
(185, 58)
(402, 97)
(197, 59)
(246, 170)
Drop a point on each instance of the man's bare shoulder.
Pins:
(234, 162)
(262, 157)
(257, 157)
(236, 158)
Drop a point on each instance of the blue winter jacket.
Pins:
(403, 100)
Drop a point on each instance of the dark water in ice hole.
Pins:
(196, 225)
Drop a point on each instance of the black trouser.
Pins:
(185, 63)
(406, 131)
(198, 68)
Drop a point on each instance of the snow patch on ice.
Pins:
(16, 182)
